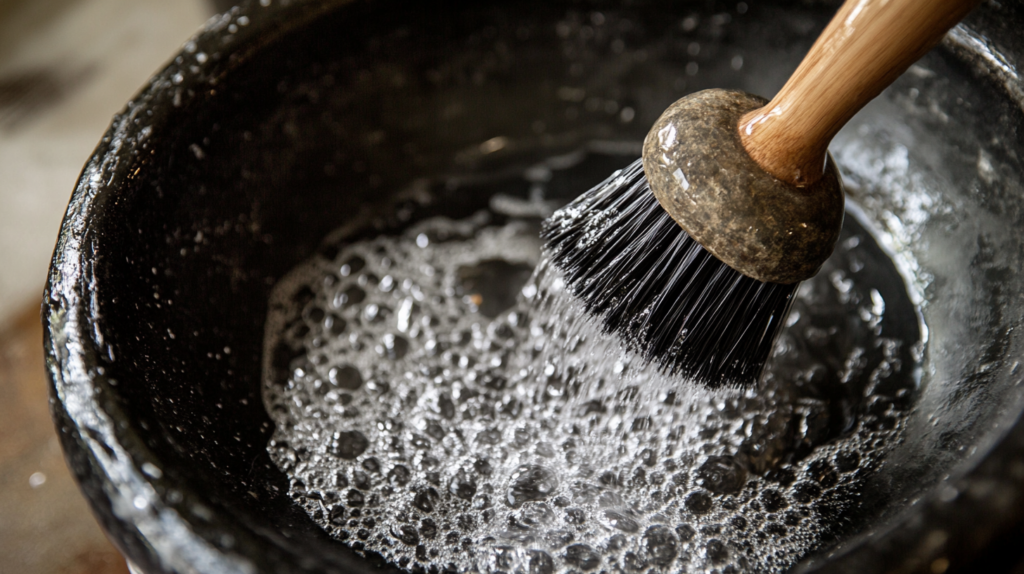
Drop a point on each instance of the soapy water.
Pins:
(440, 405)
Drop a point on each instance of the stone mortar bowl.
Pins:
(281, 121)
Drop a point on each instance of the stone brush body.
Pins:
(693, 254)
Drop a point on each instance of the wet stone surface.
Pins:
(761, 226)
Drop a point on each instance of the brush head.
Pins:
(633, 267)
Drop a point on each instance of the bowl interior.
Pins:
(372, 116)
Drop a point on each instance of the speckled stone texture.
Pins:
(760, 226)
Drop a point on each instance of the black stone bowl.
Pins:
(282, 121)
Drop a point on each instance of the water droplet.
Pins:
(315, 314)
(361, 480)
(489, 436)
(406, 533)
(501, 558)
(335, 325)
(372, 465)
(481, 501)
(632, 562)
(151, 470)
(685, 532)
(353, 295)
(699, 502)
(619, 521)
(773, 500)
(393, 347)
(822, 472)
(337, 515)
(425, 499)
(722, 475)
(805, 492)
(582, 556)
(345, 377)
(538, 562)
(463, 485)
(355, 498)
(399, 475)
(530, 482)
(847, 461)
(348, 444)
(716, 551)
(428, 528)
(446, 407)
(352, 265)
(37, 479)
(659, 544)
(533, 515)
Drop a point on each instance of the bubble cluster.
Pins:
(436, 404)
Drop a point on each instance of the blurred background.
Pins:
(66, 67)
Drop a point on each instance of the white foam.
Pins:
(608, 463)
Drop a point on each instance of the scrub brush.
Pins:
(694, 253)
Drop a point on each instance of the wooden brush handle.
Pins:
(865, 47)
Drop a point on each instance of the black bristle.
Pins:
(672, 301)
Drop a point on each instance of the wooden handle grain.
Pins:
(865, 47)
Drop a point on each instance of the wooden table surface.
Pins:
(46, 526)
